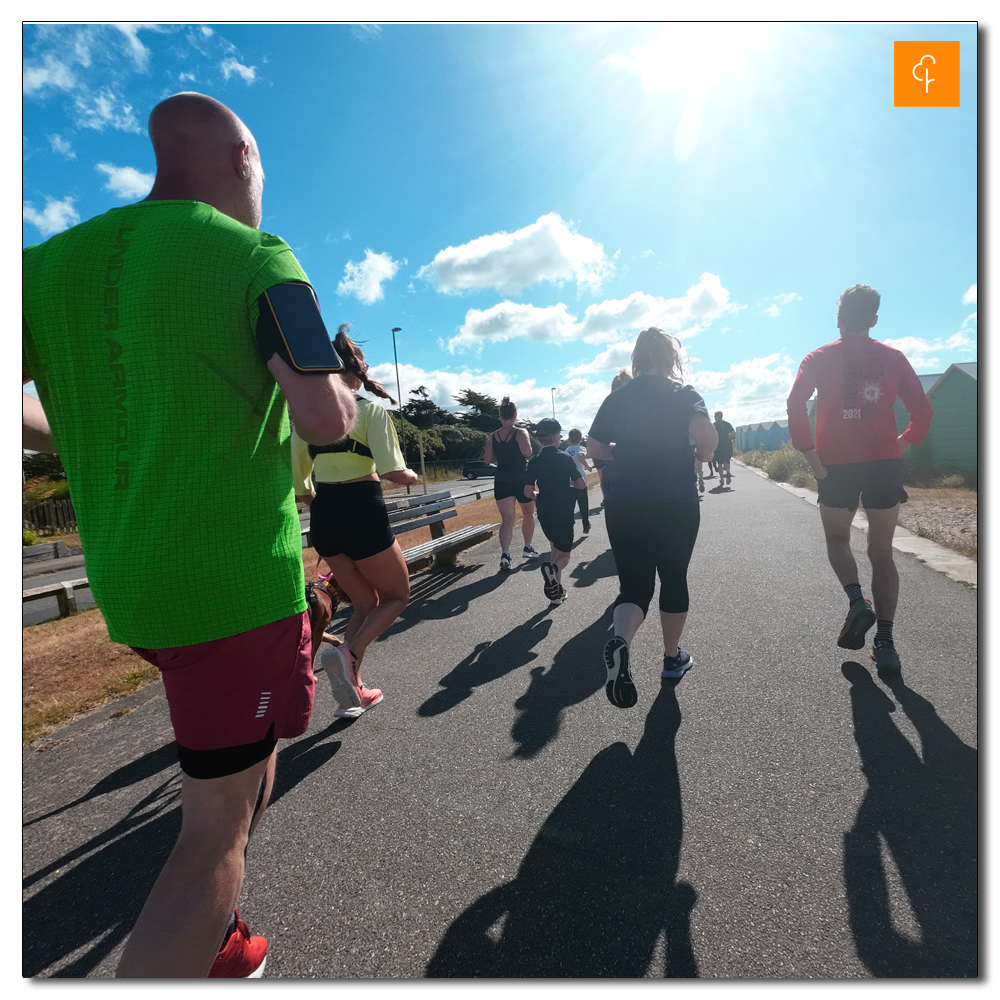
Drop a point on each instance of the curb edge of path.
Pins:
(936, 557)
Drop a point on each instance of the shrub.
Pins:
(755, 458)
(28, 538)
(788, 465)
(955, 482)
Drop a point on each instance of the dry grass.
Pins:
(69, 667)
(947, 516)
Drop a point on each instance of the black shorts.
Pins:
(877, 484)
(557, 522)
(350, 519)
(599, 463)
(503, 488)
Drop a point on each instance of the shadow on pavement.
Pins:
(80, 917)
(924, 814)
(489, 661)
(577, 671)
(597, 888)
(425, 605)
(586, 573)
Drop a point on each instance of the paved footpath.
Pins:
(779, 813)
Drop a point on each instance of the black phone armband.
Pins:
(290, 325)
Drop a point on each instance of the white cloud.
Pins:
(54, 218)
(773, 310)
(970, 295)
(182, 77)
(750, 391)
(138, 51)
(52, 73)
(207, 31)
(232, 66)
(547, 250)
(62, 147)
(602, 322)
(785, 297)
(576, 400)
(364, 279)
(365, 32)
(645, 253)
(926, 354)
(126, 182)
(105, 109)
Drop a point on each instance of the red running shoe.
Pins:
(243, 956)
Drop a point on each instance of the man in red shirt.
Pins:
(856, 456)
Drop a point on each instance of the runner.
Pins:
(578, 453)
(350, 528)
(558, 480)
(152, 335)
(651, 501)
(510, 448)
(856, 457)
(724, 452)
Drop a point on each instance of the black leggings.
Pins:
(583, 502)
(650, 537)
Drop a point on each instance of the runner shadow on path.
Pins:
(92, 905)
(577, 671)
(588, 572)
(489, 661)
(597, 888)
(924, 813)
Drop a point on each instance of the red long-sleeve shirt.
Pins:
(857, 380)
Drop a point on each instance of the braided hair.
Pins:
(354, 362)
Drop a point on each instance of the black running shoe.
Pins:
(551, 588)
(619, 688)
(860, 619)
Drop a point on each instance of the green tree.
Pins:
(462, 443)
(422, 411)
(485, 410)
(433, 445)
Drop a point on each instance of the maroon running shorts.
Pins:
(239, 691)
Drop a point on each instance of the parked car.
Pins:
(473, 470)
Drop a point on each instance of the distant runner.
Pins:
(724, 450)
(856, 457)
(510, 448)
(578, 453)
(558, 481)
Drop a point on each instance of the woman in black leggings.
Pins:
(650, 500)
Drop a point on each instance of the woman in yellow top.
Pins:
(350, 527)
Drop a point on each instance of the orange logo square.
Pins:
(926, 74)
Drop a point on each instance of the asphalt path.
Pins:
(781, 812)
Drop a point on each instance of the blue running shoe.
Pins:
(677, 666)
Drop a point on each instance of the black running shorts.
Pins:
(557, 524)
(350, 519)
(877, 484)
(503, 488)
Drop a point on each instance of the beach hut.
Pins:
(768, 435)
(953, 441)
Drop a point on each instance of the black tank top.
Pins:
(510, 462)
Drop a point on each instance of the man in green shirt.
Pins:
(164, 339)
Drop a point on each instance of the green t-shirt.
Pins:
(139, 334)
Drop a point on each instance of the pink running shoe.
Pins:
(242, 956)
(369, 698)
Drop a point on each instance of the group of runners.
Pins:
(171, 341)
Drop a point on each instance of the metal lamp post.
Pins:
(553, 402)
(399, 393)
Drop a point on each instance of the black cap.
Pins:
(547, 427)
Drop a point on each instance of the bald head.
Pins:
(205, 153)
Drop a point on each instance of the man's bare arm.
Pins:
(322, 407)
(599, 450)
(36, 434)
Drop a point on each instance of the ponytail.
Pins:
(354, 362)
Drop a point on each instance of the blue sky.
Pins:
(522, 199)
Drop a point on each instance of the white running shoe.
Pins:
(337, 662)
(530, 553)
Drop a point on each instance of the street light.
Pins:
(553, 402)
(399, 393)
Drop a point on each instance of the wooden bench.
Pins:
(63, 591)
(416, 511)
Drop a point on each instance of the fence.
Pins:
(51, 516)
